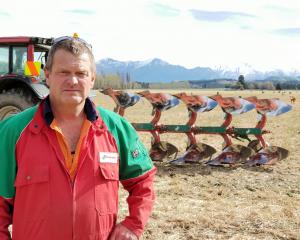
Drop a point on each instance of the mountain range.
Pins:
(157, 70)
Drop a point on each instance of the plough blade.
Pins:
(195, 153)
(162, 150)
(270, 107)
(268, 156)
(160, 101)
(209, 105)
(122, 99)
(197, 103)
(246, 106)
(234, 105)
(231, 155)
(281, 108)
(127, 99)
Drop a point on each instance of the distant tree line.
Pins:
(241, 84)
(115, 81)
(124, 81)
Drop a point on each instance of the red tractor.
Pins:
(22, 81)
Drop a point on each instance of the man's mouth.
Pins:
(71, 90)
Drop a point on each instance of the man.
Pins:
(61, 161)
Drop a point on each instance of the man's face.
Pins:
(70, 79)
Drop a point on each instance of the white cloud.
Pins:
(142, 29)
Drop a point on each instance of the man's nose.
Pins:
(73, 80)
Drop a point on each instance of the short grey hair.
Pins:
(74, 46)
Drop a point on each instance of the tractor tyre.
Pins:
(14, 101)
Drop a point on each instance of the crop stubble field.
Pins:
(202, 202)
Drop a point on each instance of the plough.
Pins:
(257, 152)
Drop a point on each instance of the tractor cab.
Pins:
(22, 80)
(16, 52)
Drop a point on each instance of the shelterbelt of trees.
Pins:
(117, 81)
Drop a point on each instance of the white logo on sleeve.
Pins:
(108, 157)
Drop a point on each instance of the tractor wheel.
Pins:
(14, 101)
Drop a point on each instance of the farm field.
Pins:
(202, 202)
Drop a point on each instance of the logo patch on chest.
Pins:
(135, 153)
(108, 157)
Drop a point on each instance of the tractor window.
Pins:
(40, 57)
(4, 57)
(19, 59)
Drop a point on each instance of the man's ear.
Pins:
(46, 72)
(93, 80)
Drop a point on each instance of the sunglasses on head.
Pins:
(63, 38)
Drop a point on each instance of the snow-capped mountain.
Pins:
(157, 70)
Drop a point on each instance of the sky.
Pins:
(261, 34)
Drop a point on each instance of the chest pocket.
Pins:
(106, 188)
(32, 192)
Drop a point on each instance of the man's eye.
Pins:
(63, 73)
(82, 74)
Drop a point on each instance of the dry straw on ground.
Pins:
(201, 202)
